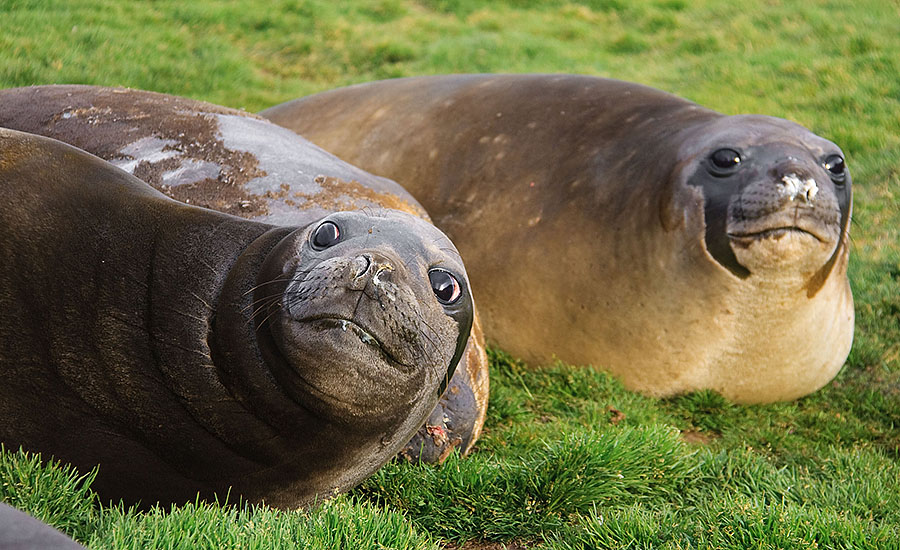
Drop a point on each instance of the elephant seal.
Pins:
(189, 351)
(610, 223)
(19, 531)
(241, 164)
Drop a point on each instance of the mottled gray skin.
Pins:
(202, 154)
(238, 163)
(185, 350)
(597, 230)
(19, 531)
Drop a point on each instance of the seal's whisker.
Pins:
(264, 305)
(260, 285)
(847, 240)
(126, 320)
(184, 314)
(260, 324)
(158, 338)
(202, 301)
(266, 296)
(256, 312)
(425, 335)
(211, 268)
(260, 301)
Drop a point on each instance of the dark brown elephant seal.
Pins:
(241, 164)
(19, 531)
(185, 350)
(610, 223)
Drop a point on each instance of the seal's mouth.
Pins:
(365, 336)
(774, 233)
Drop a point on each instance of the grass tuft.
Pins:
(340, 523)
(52, 492)
(479, 497)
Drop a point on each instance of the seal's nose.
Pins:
(793, 187)
(789, 165)
(794, 180)
(360, 265)
(369, 267)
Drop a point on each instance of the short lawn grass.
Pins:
(569, 459)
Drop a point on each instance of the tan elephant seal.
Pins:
(610, 223)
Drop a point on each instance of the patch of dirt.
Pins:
(338, 194)
(696, 437)
(873, 378)
(615, 415)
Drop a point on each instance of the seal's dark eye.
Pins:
(835, 165)
(725, 159)
(445, 286)
(326, 235)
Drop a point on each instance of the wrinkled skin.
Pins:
(170, 344)
(238, 163)
(595, 230)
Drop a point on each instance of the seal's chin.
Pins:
(345, 372)
(787, 250)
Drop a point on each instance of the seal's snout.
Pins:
(793, 187)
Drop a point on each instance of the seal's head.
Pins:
(776, 197)
(369, 312)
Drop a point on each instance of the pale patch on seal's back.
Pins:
(147, 149)
(271, 171)
(288, 160)
(206, 155)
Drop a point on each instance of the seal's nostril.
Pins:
(360, 266)
(382, 272)
(794, 187)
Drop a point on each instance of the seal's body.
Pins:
(240, 164)
(19, 531)
(185, 350)
(610, 223)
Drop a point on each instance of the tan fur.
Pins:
(568, 199)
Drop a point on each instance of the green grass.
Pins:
(569, 459)
(59, 496)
